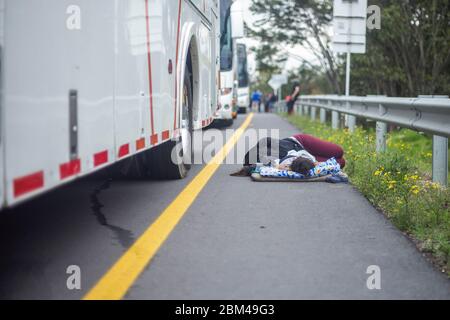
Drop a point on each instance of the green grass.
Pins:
(396, 181)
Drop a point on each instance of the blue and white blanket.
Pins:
(329, 167)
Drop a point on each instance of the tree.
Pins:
(299, 22)
(312, 80)
(267, 63)
(408, 56)
(267, 58)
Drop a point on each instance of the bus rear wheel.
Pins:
(172, 159)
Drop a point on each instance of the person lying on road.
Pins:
(299, 153)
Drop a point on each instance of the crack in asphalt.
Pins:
(123, 236)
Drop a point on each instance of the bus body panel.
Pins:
(91, 76)
(226, 99)
(132, 104)
(243, 91)
(227, 64)
(2, 117)
(205, 71)
(243, 98)
(44, 60)
(215, 60)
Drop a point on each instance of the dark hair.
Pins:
(302, 165)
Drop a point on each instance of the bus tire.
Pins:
(163, 157)
(228, 122)
(157, 163)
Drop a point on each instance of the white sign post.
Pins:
(276, 82)
(349, 25)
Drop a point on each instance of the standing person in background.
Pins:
(267, 102)
(256, 100)
(287, 99)
(294, 96)
(262, 103)
(272, 101)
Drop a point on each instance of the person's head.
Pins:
(302, 165)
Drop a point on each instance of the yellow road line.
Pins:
(120, 277)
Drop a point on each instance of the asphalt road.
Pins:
(239, 240)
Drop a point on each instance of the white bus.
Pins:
(243, 88)
(231, 25)
(88, 83)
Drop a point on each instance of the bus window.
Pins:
(242, 66)
(226, 42)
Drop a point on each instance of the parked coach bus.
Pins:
(231, 25)
(85, 84)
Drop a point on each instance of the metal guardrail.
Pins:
(423, 114)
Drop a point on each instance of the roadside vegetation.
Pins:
(407, 54)
(398, 182)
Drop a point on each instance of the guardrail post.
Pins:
(381, 136)
(381, 131)
(351, 120)
(313, 113)
(334, 118)
(323, 115)
(440, 160)
(300, 109)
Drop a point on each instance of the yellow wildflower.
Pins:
(392, 184)
(415, 189)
